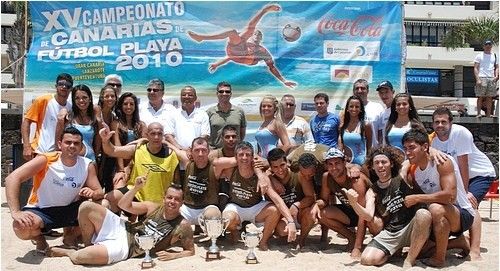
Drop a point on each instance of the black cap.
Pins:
(385, 84)
(488, 42)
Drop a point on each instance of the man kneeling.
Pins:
(109, 239)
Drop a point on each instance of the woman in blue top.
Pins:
(272, 130)
(128, 127)
(83, 118)
(355, 135)
(403, 117)
(105, 113)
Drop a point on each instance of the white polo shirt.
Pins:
(186, 127)
(164, 115)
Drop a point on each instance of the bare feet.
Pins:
(433, 262)
(263, 246)
(407, 264)
(475, 257)
(194, 36)
(356, 254)
(59, 251)
(40, 243)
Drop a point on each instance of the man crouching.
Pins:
(109, 239)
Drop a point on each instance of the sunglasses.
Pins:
(290, 104)
(64, 84)
(153, 89)
(224, 91)
(115, 85)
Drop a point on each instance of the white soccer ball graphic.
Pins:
(291, 32)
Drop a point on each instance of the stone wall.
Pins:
(11, 134)
(485, 136)
(485, 132)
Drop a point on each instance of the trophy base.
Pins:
(212, 256)
(146, 265)
(251, 261)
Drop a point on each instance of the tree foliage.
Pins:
(472, 33)
(18, 42)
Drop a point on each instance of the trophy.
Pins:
(146, 242)
(213, 228)
(251, 239)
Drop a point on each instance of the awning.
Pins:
(433, 23)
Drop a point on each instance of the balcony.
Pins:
(8, 19)
(439, 57)
(444, 13)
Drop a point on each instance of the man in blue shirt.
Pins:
(324, 125)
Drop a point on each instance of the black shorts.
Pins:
(466, 220)
(350, 213)
(57, 217)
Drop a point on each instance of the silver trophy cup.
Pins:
(213, 228)
(251, 240)
(146, 242)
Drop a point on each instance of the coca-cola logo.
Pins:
(362, 26)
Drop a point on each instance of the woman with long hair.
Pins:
(403, 117)
(128, 127)
(105, 116)
(272, 129)
(83, 118)
(355, 136)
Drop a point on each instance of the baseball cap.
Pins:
(333, 153)
(488, 42)
(385, 84)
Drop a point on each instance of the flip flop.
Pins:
(41, 251)
(52, 233)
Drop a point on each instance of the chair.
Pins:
(492, 194)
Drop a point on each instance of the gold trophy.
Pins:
(146, 242)
(213, 225)
(251, 239)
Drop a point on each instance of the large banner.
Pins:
(275, 48)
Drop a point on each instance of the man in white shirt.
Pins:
(486, 74)
(476, 169)
(386, 95)
(452, 213)
(298, 129)
(156, 110)
(61, 182)
(43, 112)
(360, 88)
(187, 123)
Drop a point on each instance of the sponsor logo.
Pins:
(351, 50)
(361, 26)
(349, 74)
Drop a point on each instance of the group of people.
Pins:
(109, 171)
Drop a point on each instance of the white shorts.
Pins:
(113, 236)
(247, 214)
(191, 214)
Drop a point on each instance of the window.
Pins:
(6, 32)
(8, 7)
(425, 34)
(479, 5)
(436, 3)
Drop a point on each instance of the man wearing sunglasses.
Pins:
(116, 82)
(156, 110)
(224, 113)
(298, 129)
(43, 112)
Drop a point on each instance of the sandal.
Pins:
(52, 233)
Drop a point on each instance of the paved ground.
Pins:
(20, 255)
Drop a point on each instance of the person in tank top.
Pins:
(110, 239)
(444, 192)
